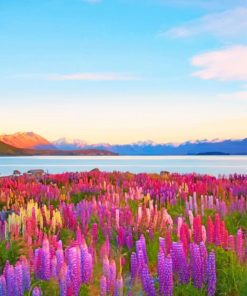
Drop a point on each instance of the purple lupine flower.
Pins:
(161, 269)
(46, 260)
(196, 265)
(74, 268)
(36, 292)
(211, 274)
(168, 278)
(106, 272)
(112, 273)
(88, 267)
(182, 263)
(26, 274)
(10, 280)
(3, 287)
(19, 289)
(144, 248)
(133, 266)
(204, 256)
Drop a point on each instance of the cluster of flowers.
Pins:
(122, 210)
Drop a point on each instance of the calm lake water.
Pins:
(213, 165)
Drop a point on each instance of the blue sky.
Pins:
(124, 71)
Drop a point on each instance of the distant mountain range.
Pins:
(204, 147)
(27, 140)
(33, 144)
(30, 144)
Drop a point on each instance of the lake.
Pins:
(213, 165)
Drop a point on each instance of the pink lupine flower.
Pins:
(103, 286)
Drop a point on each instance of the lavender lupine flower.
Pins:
(182, 263)
(25, 274)
(204, 256)
(36, 292)
(119, 287)
(106, 272)
(88, 267)
(112, 273)
(133, 266)
(161, 270)
(74, 268)
(19, 289)
(103, 289)
(3, 287)
(62, 279)
(54, 267)
(196, 265)
(46, 260)
(10, 280)
(168, 279)
(147, 282)
(211, 274)
(59, 256)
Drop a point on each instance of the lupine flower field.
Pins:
(98, 233)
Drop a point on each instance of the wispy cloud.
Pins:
(235, 96)
(226, 64)
(230, 23)
(91, 77)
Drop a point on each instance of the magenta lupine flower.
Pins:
(239, 244)
(133, 266)
(37, 263)
(211, 274)
(231, 243)
(217, 232)
(197, 228)
(196, 265)
(168, 278)
(3, 287)
(162, 244)
(95, 232)
(210, 231)
(74, 268)
(54, 267)
(103, 288)
(62, 279)
(36, 292)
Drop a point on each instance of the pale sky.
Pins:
(121, 71)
